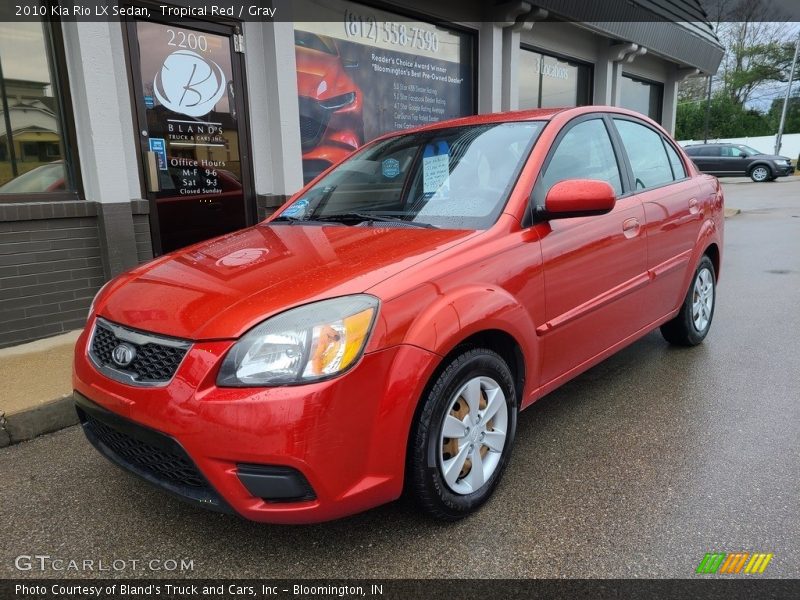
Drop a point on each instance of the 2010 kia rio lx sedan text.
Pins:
(383, 330)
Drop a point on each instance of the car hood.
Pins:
(771, 157)
(221, 288)
(320, 75)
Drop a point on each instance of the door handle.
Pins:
(693, 208)
(631, 227)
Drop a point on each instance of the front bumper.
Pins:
(344, 439)
(784, 171)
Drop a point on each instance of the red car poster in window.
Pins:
(362, 72)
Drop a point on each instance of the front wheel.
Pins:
(692, 323)
(760, 173)
(463, 436)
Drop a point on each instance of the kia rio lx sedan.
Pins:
(382, 331)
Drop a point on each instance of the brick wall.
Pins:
(141, 230)
(50, 268)
(266, 204)
(52, 263)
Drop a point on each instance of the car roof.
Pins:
(537, 114)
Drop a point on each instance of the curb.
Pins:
(32, 422)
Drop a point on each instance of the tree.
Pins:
(727, 119)
(758, 47)
(758, 53)
(792, 114)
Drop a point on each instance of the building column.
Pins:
(274, 113)
(509, 99)
(490, 67)
(670, 103)
(603, 76)
(106, 144)
(669, 108)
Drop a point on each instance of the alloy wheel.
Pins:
(473, 435)
(760, 174)
(702, 299)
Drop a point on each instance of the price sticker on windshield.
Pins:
(436, 169)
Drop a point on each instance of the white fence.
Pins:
(790, 143)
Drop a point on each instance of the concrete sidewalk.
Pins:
(37, 392)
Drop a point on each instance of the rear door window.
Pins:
(678, 170)
(646, 153)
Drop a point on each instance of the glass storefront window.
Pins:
(33, 157)
(642, 96)
(547, 81)
(362, 72)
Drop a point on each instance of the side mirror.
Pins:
(578, 198)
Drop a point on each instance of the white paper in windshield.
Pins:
(436, 169)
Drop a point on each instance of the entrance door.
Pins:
(192, 133)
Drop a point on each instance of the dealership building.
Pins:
(124, 139)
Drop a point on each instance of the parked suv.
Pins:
(735, 160)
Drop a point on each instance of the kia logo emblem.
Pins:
(123, 355)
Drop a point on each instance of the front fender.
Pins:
(438, 321)
(450, 319)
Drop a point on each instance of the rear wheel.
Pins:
(462, 439)
(692, 323)
(760, 173)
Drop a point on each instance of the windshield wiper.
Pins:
(366, 217)
(293, 220)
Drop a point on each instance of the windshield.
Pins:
(454, 178)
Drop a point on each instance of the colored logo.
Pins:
(238, 258)
(123, 354)
(159, 147)
(296, 210)
(390, 168)
(189, 84)
(734, 563)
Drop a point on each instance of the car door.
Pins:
(672, 211)
(707, 159)
(733, 161)
(594, 267)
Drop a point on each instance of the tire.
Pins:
(692, 323)
(442, 476)
(760, 174)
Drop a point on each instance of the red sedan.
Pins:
(382, 331)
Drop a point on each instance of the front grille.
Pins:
(156, 359)
(313, 122)
(157, 458)
(172, 465)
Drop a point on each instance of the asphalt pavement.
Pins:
(635, 469)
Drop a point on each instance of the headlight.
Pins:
(303, 344)
(338, 101)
